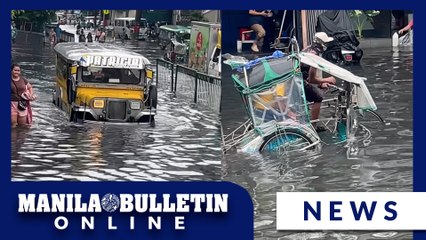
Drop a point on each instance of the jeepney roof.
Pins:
(176, 28)
(81, 51)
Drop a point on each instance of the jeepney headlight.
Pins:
(98, 103)
(135, 105)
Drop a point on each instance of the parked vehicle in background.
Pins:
(124, 28)
(154, 30)
(215, 61)
(168, 32)
(89, 22)
(344, 48)
(143, 29)
(202, 48)
(174, 40)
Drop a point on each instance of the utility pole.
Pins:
(138, 16)
(96, 19)
(304, 17)
(176, 17)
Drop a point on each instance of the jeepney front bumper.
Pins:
(120, 110)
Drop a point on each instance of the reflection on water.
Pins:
(184, 145)
(385, 165)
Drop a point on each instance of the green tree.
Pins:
(361, 17)
(190, 15)
(15, 12)
(34, 19)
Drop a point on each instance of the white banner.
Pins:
(351, 211)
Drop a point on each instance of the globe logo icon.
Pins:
(110, 202)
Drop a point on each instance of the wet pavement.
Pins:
(385, 165)
(184, 145)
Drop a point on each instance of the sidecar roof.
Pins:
(365, 100)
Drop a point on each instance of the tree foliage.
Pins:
(361, 17)
(35, 19)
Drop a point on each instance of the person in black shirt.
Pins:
(89, 37)
(82, 37)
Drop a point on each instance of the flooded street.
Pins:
(184, 145)
(385, 165)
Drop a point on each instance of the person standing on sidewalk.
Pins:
(136, 30)
(257, 21)
(52, 38)
(58, 32)
(14, 32)
(102, 37)
(89, 37)
(97, 34)
(82, 36)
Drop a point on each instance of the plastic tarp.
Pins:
(365, 100)
(338, 24)
(332, 21)
(264, 73)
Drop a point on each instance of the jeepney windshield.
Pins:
(182, 37)
(111, 75)
(143, 23)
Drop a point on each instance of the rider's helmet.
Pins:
(321, 39)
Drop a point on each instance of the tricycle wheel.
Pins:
(152, 121)
(286, 140)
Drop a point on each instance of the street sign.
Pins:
(106, 12)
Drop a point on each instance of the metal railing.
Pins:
(164, 71)
(184, 81)
(67, 37)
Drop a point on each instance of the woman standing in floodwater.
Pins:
(21, 95)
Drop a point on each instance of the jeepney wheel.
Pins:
(54, 97)
(284, 141)
(73, 116)
(152, 121)
(70, 92)
(152, 97)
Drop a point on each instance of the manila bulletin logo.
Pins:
(148, 207)
(110, 202)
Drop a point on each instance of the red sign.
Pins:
(199, 41)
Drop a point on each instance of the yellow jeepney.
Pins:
(102, 82)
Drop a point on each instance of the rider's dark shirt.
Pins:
(256, 19)
(305, 68)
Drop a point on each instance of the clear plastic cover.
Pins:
(285, 102)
